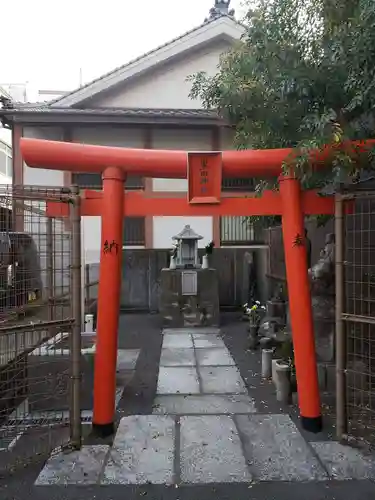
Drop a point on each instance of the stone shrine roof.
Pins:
(187, 234)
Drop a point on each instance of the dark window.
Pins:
(94, 181)
(134, 182)
(234, 184)
(87, 181)
(134, 231)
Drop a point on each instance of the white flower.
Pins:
(257, 302)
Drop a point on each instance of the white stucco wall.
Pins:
(186, 140)
(167, 227)
(91, 232)
(5, 180)
(167, 87)
(5, 160)
(5, 135)
(109, 136)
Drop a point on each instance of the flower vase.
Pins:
(172, 263)
(267, 363)
(253, 336)
(282, 382)
(205, 262)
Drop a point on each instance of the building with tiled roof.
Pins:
(144, 103)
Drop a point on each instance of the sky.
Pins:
(49, 44)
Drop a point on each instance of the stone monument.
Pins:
(189, 293)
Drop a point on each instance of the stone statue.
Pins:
(322, 274)
(322, 279)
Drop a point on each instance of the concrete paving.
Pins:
(142, 452)
(211, 451)
(205, 430)
(203, 449)
(79, 467)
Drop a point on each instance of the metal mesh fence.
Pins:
(37, 321)
(359, 317)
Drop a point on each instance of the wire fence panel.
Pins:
(37, 320)
(359, 317)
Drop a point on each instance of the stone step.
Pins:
(201, 449)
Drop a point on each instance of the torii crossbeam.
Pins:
(204, 172)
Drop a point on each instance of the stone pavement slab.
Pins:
(211, 451)
(177, 357)
(214, 357)
(79, 467)
(204, 340)
(207, 449)
(204, 404)
(221, 380)
(142, 452)
(178, 340)
(178, 380)
(127, 359)
(343, 462)
(276, 451)
(206, 330)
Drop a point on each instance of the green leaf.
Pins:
(302, 76)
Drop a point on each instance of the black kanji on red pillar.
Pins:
(108, 247)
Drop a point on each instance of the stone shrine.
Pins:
(189, 293)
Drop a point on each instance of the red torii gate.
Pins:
(204, 172)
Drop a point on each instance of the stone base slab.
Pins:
(201, 449)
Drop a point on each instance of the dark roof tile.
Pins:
(140, 112)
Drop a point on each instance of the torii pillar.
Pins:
(109, 299)
(115, 164)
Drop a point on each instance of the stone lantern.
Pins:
(189, 292)
(187, 250)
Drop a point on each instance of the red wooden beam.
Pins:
(136, 204)
(74, 157)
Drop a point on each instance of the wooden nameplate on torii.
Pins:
(204, 177)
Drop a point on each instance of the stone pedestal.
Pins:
(179, 310)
